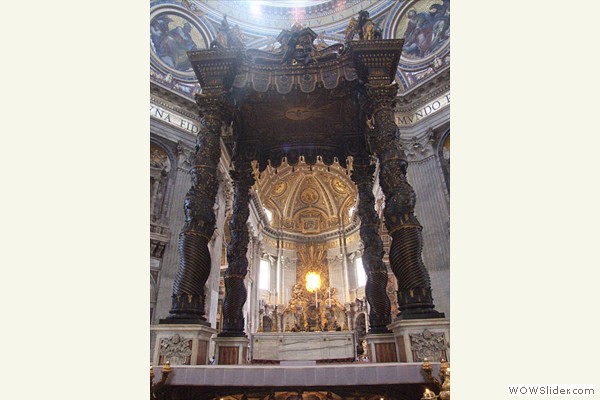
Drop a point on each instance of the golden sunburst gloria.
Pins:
(313, 281)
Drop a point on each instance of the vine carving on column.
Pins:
(414, 288)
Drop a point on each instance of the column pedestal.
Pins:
(181, 344)
(231, 350)
(382, 347)
(417, 339)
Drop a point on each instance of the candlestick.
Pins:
(429, 395)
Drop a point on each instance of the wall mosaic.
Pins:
(174, 31)
(425, 26)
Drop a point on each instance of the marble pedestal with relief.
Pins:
(304, 346)
(417, 339)
(181, 344)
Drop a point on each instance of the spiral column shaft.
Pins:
(414, 287)
(195, 262)
(235, 289)
(375, 289)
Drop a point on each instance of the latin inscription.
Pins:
(174, 119)
(429, 109)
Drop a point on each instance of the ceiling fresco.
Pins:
(179, 26)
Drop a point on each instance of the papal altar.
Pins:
(306, 346)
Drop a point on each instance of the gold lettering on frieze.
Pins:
(422, 112)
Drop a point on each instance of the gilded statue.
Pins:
(367, 30)
(351, 30)
(227, 36)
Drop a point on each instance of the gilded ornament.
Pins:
(279, 188)
(339, 186)
(309, 196)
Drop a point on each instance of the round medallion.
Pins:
(279, 188)
(174, 32)
(425, 27)
(339, 186)
(309, 196)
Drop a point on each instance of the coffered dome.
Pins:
(308, 200)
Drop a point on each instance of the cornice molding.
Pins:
(168, 99)
(424, 93)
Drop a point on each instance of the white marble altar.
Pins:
(306, 346)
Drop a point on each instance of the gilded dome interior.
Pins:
(305, 199)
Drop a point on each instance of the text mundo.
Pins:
(431, 108)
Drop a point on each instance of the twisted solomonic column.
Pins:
(195, 262)
(235, 290)
(375, 289)
(414, 287)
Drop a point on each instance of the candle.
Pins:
(429, 395)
